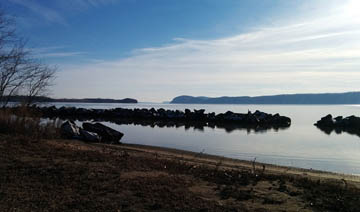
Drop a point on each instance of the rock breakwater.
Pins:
(195, 118)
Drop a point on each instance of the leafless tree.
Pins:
(40, 78)
(20, 73)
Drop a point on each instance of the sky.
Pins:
(155, 50)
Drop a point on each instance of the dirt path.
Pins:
(63, 175)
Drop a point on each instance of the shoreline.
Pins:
(228, 162)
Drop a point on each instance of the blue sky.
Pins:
(154, 50)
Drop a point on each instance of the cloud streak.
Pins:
(54, 52)
(47, 13)
(320, 55)
(93, 3)
(55, 13)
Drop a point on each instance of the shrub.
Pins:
(24, 121)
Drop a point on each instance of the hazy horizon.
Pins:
(169, 100)
(155, 51)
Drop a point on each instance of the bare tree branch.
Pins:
(19, 72)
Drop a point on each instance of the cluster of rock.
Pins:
(196, 125)
(350, 124)
(256, 119)
(90, 132)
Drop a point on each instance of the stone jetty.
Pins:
(195, 118)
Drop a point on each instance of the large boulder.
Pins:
(199, 114)
(326, 121)
(201, 111)
(282, 121)
(69, 130)
(354, 121)
(261, 115)
(89, 136)
(107, 134)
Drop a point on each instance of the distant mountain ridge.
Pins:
(320, 98)
(85, 100)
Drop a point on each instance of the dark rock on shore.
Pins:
(91, 133)
(350, 124)
(69, 130)
(89, 136)
(107, 134)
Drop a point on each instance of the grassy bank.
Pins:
(63, 175)
(25, 122)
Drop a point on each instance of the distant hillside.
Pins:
(86, 100)
(324, 98)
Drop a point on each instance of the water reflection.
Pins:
(339, 130)
(302, 145)
(196, 125)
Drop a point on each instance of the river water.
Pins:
(302, 145)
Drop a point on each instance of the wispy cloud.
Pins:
(319, 55)
(55, 13)
(93, 3)
(82, 5)
(61, 54)
(47, 13)
(54, 52)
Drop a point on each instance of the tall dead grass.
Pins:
(25, 122)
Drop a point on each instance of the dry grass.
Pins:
(63, 175)
(25, 122)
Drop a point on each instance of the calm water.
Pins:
(302, 145)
